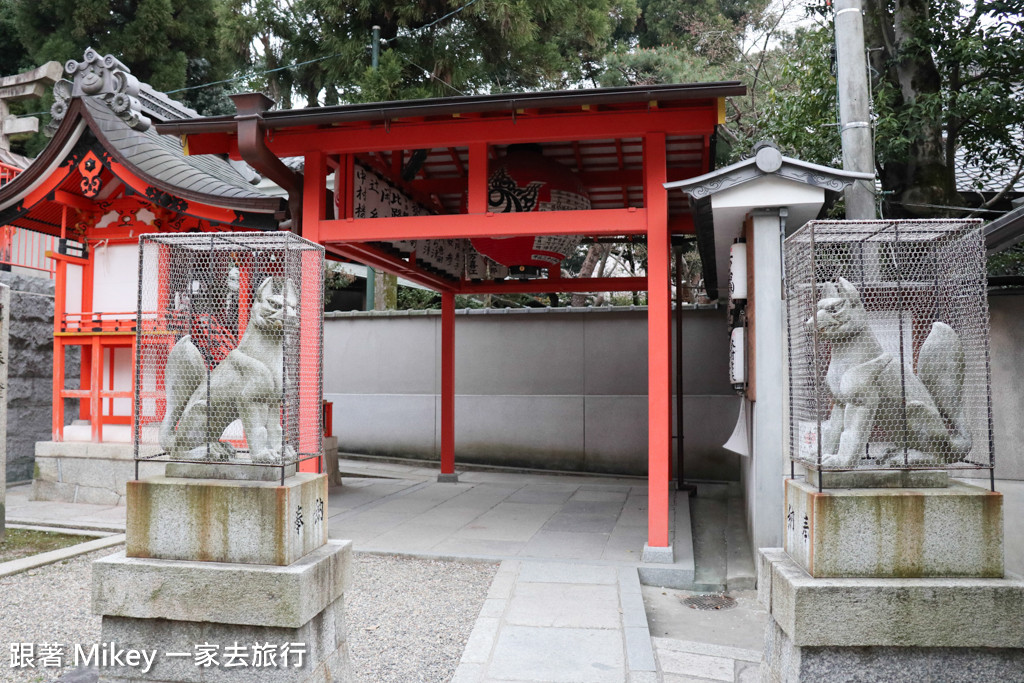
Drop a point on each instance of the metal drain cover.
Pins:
(709, 602)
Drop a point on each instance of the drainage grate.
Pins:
(709, 602)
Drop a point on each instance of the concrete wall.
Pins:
(1007, 352)
(550, 388)
(30, 371)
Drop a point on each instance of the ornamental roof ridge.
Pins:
(107, 79)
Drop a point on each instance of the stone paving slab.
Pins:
(560, 622)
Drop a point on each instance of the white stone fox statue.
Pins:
(245, 386)
(866, 389)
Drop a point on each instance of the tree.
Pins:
(169, 44)
(946, 79)
(430, 48)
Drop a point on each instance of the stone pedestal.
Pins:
(891, 584)
(220, 520)
(888, 629)
(890, 532)
(226, 580)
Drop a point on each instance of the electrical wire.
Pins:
(256, 74)
(439, 80)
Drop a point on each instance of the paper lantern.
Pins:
(737, 358)
(738, 270)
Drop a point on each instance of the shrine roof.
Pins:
(105, 110)
(161, 160)
(643, 96)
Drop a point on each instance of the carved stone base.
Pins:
(172, 607)
(939, 532)
(209, 520)
(888, 629)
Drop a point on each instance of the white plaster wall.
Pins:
(115, 282)
(73, 297)
(1007, 352)
(562, 390)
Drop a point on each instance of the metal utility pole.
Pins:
(371, 274)
(854, 107)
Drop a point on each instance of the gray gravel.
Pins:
(408, 619)
(48, 605)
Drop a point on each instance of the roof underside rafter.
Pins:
(429, 149)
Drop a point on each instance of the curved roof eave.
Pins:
(229, 196)
(52, 156)
(69, 133)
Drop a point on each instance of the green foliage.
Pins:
(662, 64)
(946, 81)
(1009, 262)
(489, 46)
(169, 44)
(800, 112)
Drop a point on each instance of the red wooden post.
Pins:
(313, 195)
(60, 294)
(311, 391)
(58, 386)
(447, 387)
(659, 317)
(95, 378)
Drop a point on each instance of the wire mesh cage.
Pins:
(228, 358)
(888, 345)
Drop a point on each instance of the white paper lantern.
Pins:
(738, 270)
(737, 357)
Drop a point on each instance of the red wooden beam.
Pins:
(596, 222)
(371, 256)
(551, 284)
(696, 120)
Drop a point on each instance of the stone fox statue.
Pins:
(866, 389)
(245, 386)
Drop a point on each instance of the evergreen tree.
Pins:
(170, 44)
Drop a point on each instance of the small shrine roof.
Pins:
(161, 160)
(104, 111)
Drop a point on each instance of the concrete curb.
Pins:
(63, 527)
(43, 559)
(72, 531)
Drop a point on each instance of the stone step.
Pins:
(709, 517)
(741, 573)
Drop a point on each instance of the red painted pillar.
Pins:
(447, 387)
(659, 317)
(95, 379)
(60, 296)
(314, 210)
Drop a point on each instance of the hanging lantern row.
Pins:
(737, 315)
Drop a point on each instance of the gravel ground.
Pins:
(408, 619)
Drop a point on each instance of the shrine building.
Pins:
(464, 195)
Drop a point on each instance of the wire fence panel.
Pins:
(888, 345)
(229, 347)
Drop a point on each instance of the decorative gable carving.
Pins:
(103, 78)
